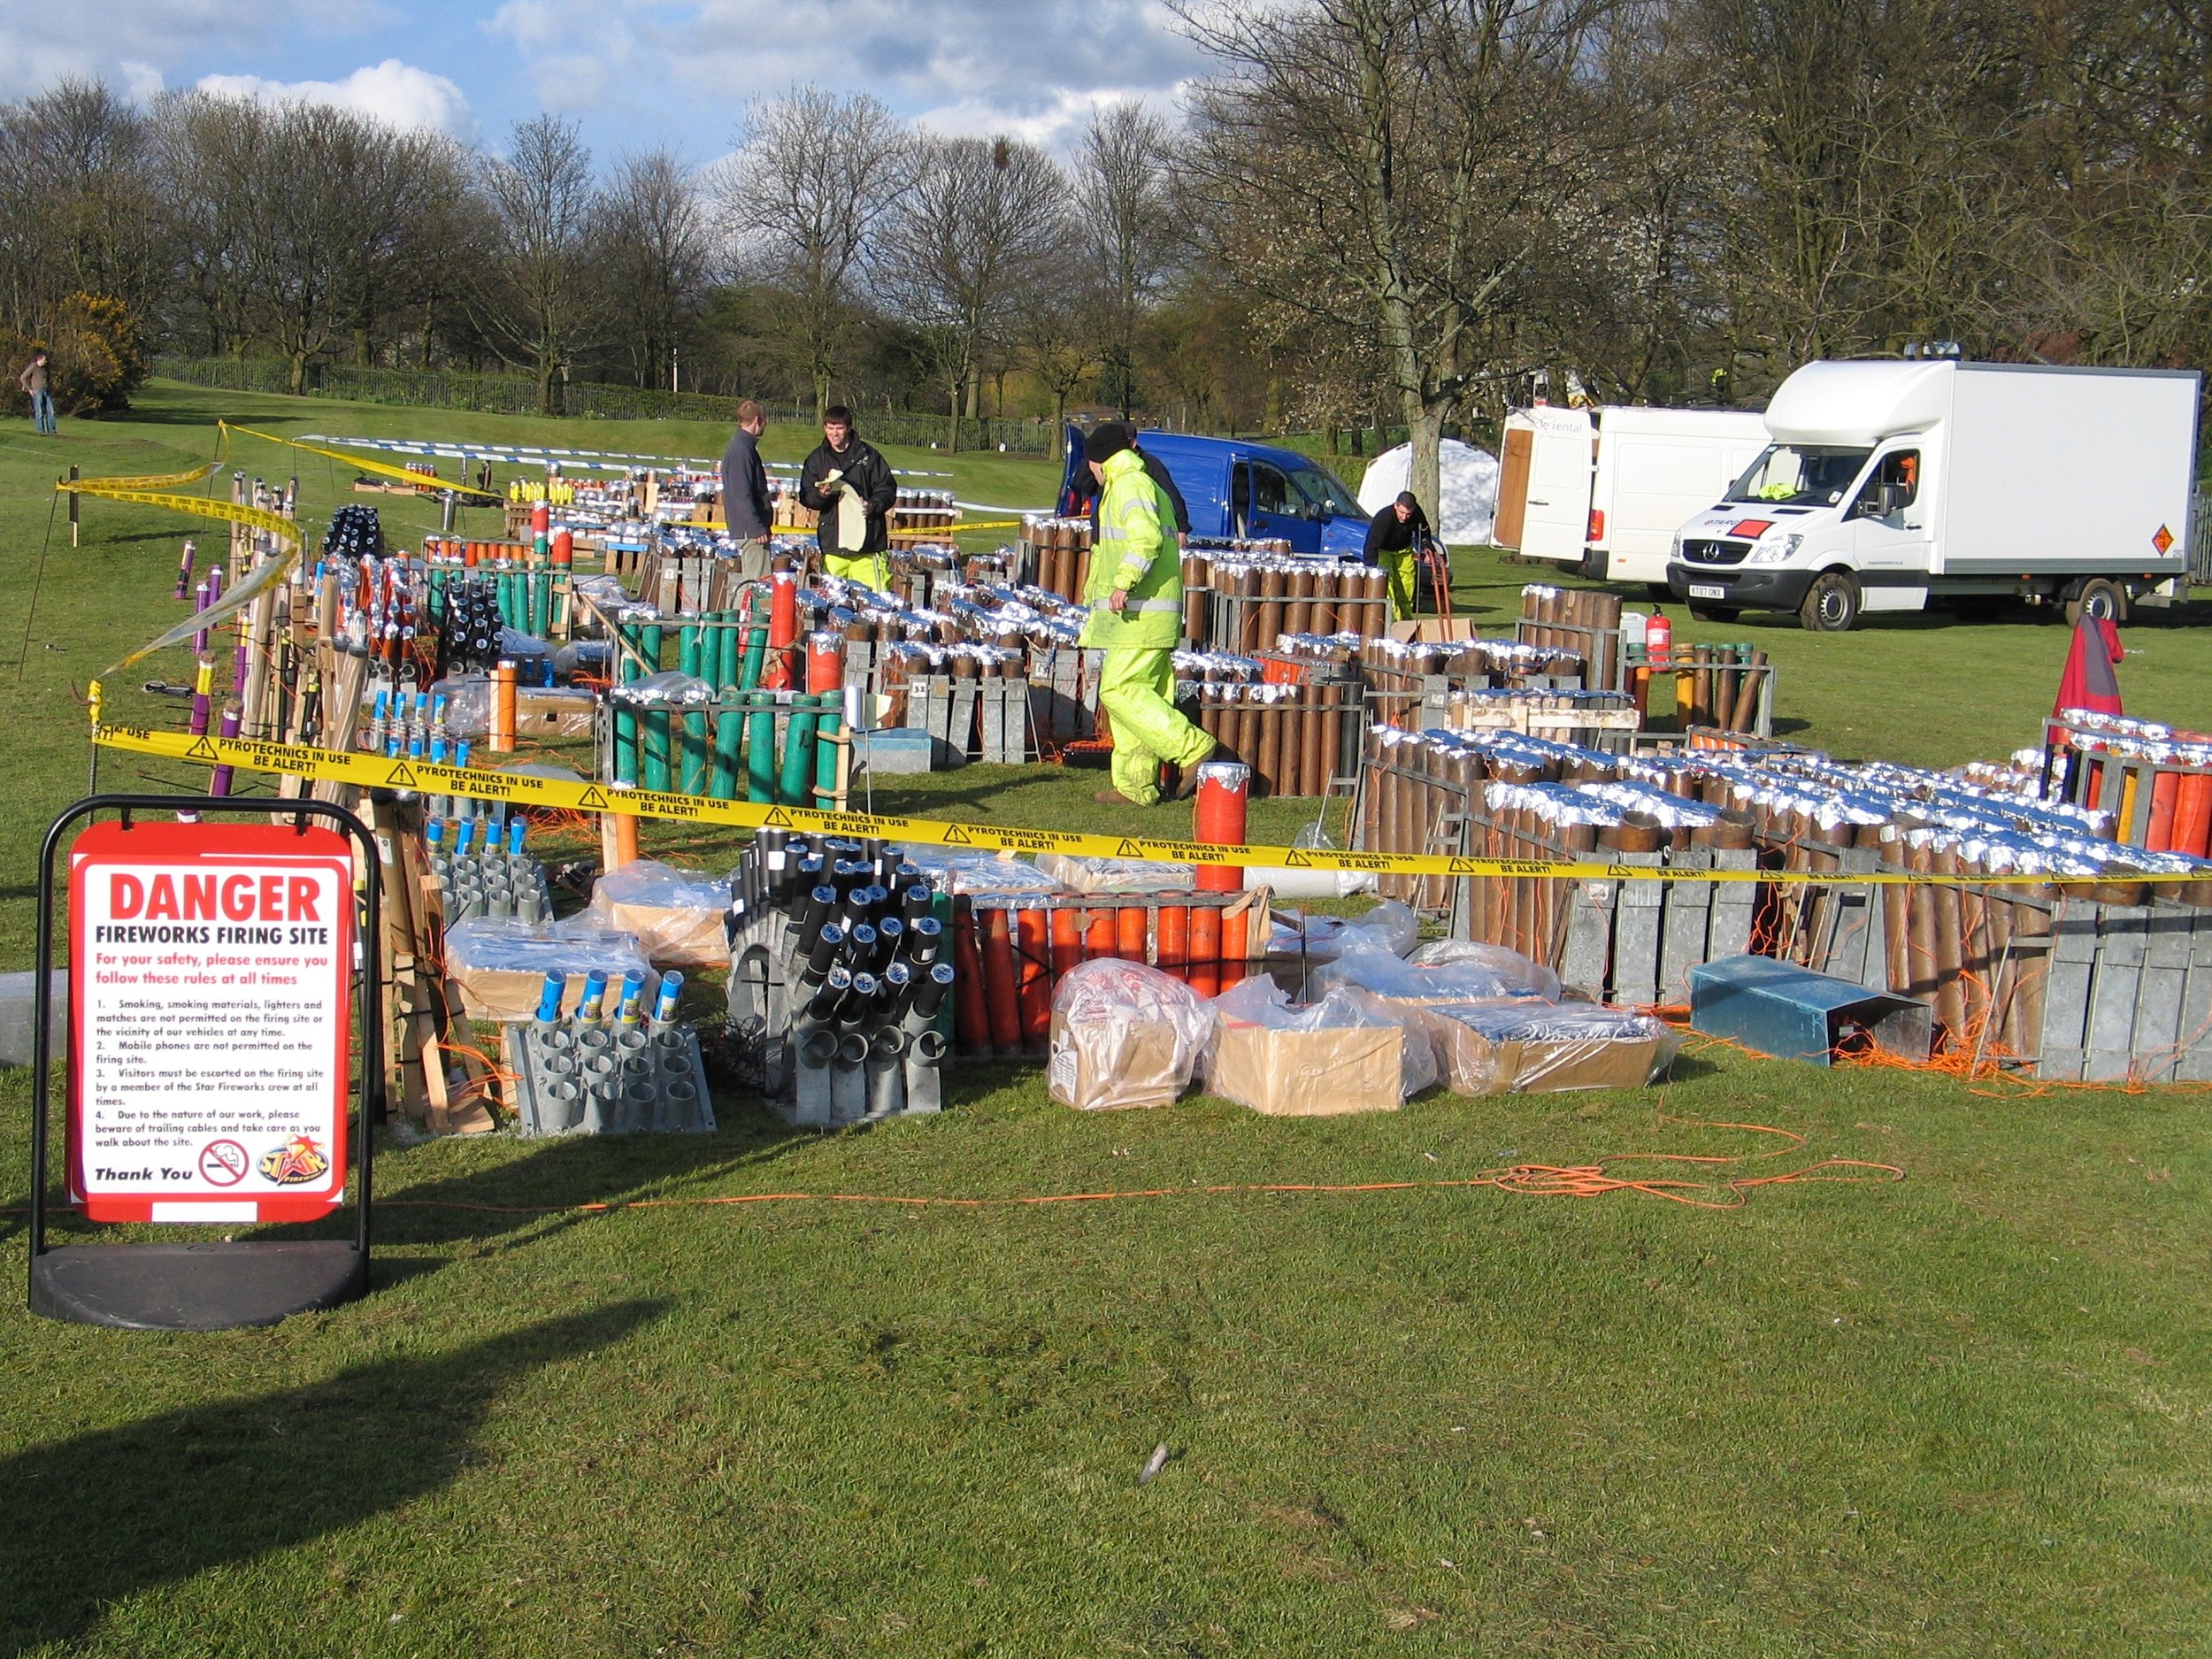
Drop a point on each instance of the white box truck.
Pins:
(1890, 486)
(1605, 489)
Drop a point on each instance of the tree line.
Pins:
(1367, 214)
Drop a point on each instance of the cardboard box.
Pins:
(1101, 1066)
(552, 711)
(1436, 630)
(1309, 1073)
(1475, 1063)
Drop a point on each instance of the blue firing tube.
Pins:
(462, 831)
(671, 987)
(594, 1002)
(517, 828)
(632, 997)
(549, 998)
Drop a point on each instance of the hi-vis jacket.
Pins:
(1135, 552)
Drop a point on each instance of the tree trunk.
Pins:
(1425, 425)
(545, 386)
(298, 379)
(821, 393)
(952, 413)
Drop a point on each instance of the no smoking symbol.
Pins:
(223, 1163)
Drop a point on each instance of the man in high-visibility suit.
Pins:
(1136, 600)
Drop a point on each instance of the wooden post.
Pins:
(73, 499)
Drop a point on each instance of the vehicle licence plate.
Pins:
(1707, 590)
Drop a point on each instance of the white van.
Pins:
(1605, 489)
(1890, 485)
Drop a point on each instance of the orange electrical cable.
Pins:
(1533, 1180)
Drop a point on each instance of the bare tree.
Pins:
(964, 246)
(538, 298)
(1413, 153)
(76, 208)
(659, 249)
(816, 175)
(1134, 230)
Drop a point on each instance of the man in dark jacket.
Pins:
(852, 488)
(746, 510)
(1395, 537)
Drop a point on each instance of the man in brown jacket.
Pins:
(36, 381)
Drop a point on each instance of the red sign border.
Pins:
(186, 845)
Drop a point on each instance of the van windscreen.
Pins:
(1799, 475)
(1321, 489)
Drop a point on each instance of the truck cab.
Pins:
(1237, 490)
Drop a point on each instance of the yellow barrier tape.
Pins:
(420, 481)
(199, 506)
(373, 771)
(142, 481)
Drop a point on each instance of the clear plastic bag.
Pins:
(1494, 973)
(669, 688)
(978, 872)
(468, 704)
(1390, 927)
(677, 915)
(1123, 1035)
(1531, 1046)
(500, 966)
(1116, 875)
(1318, 1079)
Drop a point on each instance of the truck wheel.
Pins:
(2100, 600)
(1715, 613)
(1832, 603)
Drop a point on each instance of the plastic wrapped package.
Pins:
(1495, 973)
(500, 966)
(974, 872)
(468, 704)
(1350, 1052)
(1531, 1046)
(666, 689)
(1124, 1035)
(553, 711)
(1116, 875)
(1390, 926)
(677, 915)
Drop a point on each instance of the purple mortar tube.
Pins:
(220, 784)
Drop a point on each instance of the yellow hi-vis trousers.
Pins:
(1136, 687)
(867, 569)
(1404, 573)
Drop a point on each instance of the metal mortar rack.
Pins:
(602, 1070)
(838, 978)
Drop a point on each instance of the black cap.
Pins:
(1107, 439)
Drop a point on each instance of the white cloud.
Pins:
(397, 93)
(1054, 118)
(143, 81)
(139, 42)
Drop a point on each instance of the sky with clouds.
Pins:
(635, 72)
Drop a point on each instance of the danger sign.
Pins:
(209, 973)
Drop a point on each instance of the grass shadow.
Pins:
(102, 1516)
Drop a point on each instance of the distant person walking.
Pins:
(36, 381)
(747, 512)
(1395, 537)
(852, 488)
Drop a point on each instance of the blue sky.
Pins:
(677, 71)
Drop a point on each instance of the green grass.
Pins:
(1966, 1414)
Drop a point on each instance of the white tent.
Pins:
(1470, 479)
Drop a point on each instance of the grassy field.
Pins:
(1964, 1414)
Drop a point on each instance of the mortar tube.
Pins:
(1204, 977)
(1132, 918)
(1034, 987)
(848, 1082)
(890, 939)
(887, 1075)
(550, 996)
(219, 783)
(926, 937)
(860, 1006)
(929, 992)
(203, 698)
(829, 942)
(649, 646)
(693, 752)
(755, 656)
(184, 568)
(760, 749)
(792, 785)
(1001, 986)
(971, 1021)
(687, 650)
(860, 946)
(1098, 929)
(729, 744)
(1232, 943)
(665, 1004)
(633, 1006)
(833, 996)
(653, 756)
(897, 989)
(816, 908)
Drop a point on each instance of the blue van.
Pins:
(1238, 490)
